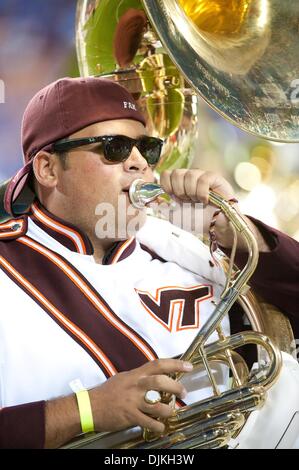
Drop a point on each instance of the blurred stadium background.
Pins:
(37, 46)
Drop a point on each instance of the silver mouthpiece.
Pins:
(141, 193)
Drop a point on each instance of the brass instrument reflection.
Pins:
(221, 17)
(230, 35)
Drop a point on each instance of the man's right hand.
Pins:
(119, 402)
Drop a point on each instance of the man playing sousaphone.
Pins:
(108, 314)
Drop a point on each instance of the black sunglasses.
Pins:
(117, 148)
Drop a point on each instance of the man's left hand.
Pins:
(193, 186)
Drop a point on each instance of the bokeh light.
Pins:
(247, 176)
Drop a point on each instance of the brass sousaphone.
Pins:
(240, 56)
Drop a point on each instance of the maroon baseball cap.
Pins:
(63, 108)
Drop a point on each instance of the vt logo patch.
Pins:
(176, 308)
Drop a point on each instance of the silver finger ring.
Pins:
(152, 396)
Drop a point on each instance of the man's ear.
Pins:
(46, 169)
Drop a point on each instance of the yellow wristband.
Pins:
(85, 411)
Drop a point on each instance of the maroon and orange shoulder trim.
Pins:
(13, 228)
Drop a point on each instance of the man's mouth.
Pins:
(126, 188)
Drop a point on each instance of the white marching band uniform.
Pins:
(39, 359)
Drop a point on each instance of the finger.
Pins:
(147, 422)
(166, 366)
(190, 183)
(178, 184)
(165, 182)
(202, 190)
(163, 383)
(158, 410)
(210, 181)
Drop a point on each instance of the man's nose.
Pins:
(135, 162)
